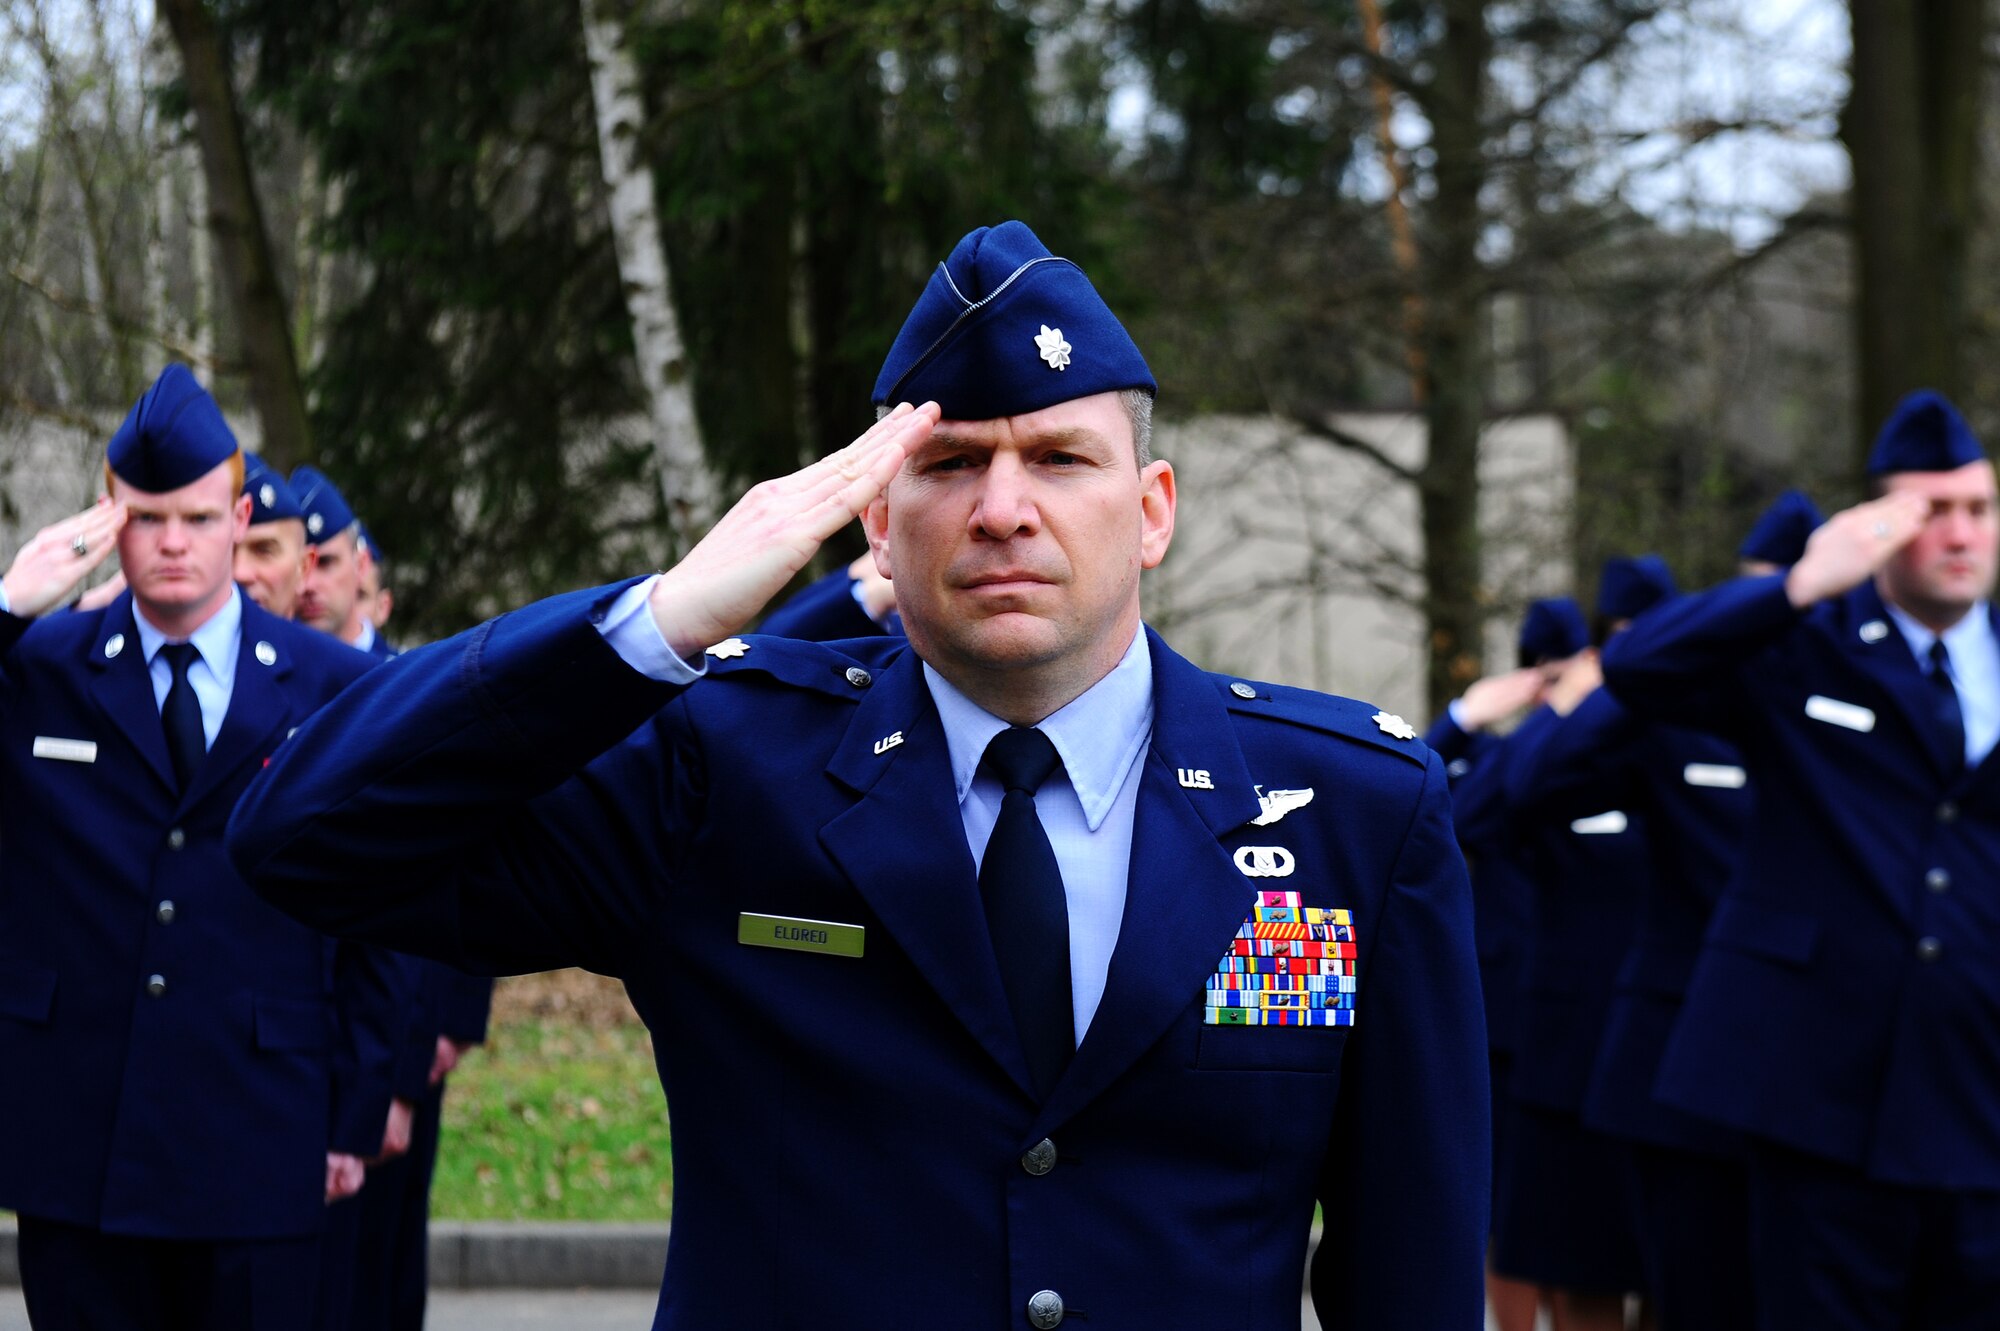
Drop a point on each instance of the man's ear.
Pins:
(875, 521)
(241, 518)
(1157, 500)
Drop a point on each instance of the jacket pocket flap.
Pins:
(27, 992)
(1748, 926)
(291, 1024)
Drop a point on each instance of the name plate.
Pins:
(835, 940)
(66, 750)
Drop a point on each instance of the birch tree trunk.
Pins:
(237, 221)
(642, 264)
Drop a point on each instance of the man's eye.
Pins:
(949, 464)
(1064, 459)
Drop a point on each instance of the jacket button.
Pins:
(176, 839)
(1947, 812)
(1929, 949)
(1040, 1158)
(1045, 1310)
(1937, 880)
(858, 677)
(156, 985)
(165, 913)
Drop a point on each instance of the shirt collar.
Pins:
(1098, 735)
(365, 640)
(1961, 639)
(216, 640)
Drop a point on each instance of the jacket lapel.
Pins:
(123, 688)
(256, 706)
(1184, 898)
(902, 845)
(1888, 662)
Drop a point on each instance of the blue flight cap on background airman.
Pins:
(1779, 535)
(327, 513)
(1632, 586)
(1553, 629)
(367, 540)
(1004, 328)
(174, 434)
(271, 497)
(1924, 433)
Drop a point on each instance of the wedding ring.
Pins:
(1882, 531)
(78, 546)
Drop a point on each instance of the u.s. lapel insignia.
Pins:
(1874, 631)
(1195, 778)
(887, 743)
(267, 654)
(1265, 862)
(1054, 350)
(729, 649)
(114, 645)
(1279, 803)
(1394, 726)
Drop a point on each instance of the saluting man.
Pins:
(274, 557)
(1845, 1009)
(1015, 973)
(330, 600)
(190, 1069)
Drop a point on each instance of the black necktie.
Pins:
(1027, 913)
(1951, 718)
(181, 715)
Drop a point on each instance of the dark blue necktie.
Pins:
(181, 714)
(1027, 913)
(1951, 718)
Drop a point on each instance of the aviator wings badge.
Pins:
(1278, 803)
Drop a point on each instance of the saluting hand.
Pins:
(61, 556)
(1498, 697)
(1853, 545)
(1582, 677)
(749, 556)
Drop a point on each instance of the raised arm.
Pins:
(483, 800)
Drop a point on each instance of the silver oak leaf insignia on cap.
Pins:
(1394, 725)
(1054, 350)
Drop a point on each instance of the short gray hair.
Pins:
(1138, 404)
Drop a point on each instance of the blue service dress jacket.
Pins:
(1501, 894)
(1588, 872)
(182, 1055)
(1847, 998)
(825, 610)
(1693, 797)
(855, 1140)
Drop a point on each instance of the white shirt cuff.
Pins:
(6, 606)
(633, 633)
(1457, 714)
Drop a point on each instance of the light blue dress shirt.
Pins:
(1087, 806)
(1975, 672)
(365, 640)
(212, 674)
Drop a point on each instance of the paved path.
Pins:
(517, 1310)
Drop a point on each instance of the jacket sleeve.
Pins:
(505, 800)
(1578, 764)
(822, 612)
(1404, 1189)
(372, 994)
(420, 1028)
(1447, 738)
(1685, 661)
(464, 1003)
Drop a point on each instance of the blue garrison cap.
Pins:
(1924, 433)
(174, 434)
(271, 497)
(1631, 587)
(368, 543)
(1779, 536)
(1553, 629)
(1004, 328)
(327, 513)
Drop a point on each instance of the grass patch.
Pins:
(553, 1120)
